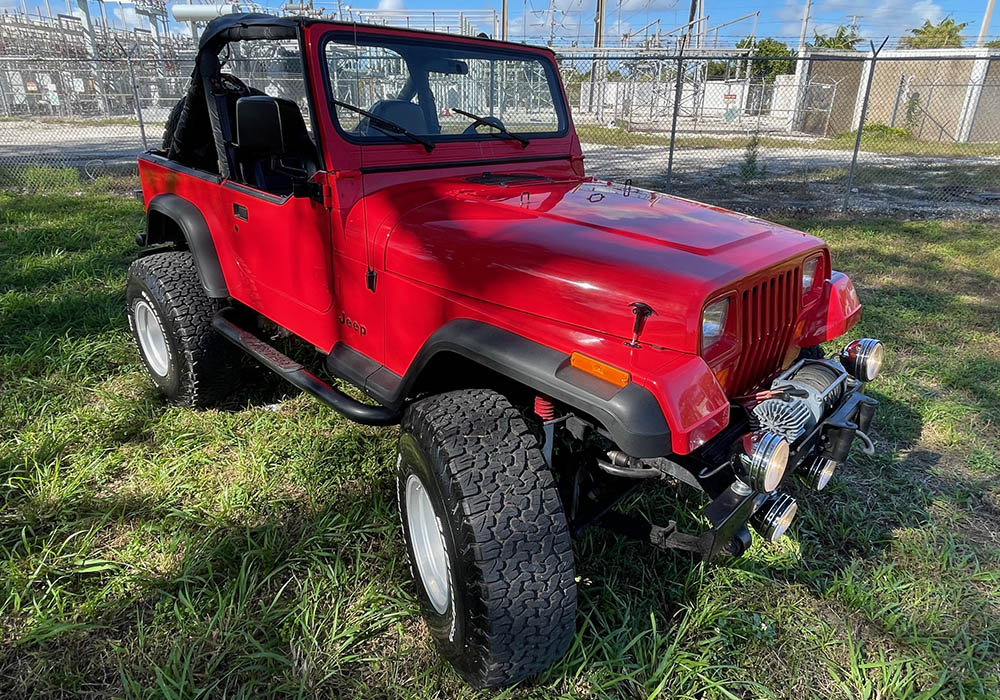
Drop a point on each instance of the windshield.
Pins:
(440, 90)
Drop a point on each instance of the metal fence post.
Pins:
(861, 122)
(3, 93)
(678, 83)
(135, 96)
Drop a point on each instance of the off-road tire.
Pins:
(202, 366)
(512, 606)
(172, 119)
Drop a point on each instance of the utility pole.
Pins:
(599, 25)
(702, 24)
(552, 22)
(503, 25)
(805, 24)
(983, 30)
(691, 14)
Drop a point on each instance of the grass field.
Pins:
(255, 550)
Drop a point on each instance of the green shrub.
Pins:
(749, 168)
(884, 130)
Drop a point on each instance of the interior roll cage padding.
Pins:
(631, 415)
(196, 234)
(301, 377)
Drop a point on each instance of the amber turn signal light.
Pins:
(601, 370)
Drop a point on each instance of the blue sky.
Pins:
(575, 18)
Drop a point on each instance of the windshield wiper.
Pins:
(494, 123)
(387, 126)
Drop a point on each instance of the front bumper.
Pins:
(733, 504)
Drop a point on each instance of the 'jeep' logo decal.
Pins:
(347, 321)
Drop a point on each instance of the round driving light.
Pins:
(765, 465)
(818, 472)
(775, 517)
(863, 358)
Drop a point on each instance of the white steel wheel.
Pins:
(429, 549)
(150, 334)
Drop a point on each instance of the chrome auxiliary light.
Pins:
(817, 473)
(775, 516)
(863, 358)
(764, 461)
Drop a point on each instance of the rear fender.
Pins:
(169, 207)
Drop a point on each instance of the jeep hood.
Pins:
(579, 251)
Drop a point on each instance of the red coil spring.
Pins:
(544, 408)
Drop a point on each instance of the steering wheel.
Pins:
(487, 121)
(230, 83)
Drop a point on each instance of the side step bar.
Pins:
(298, 375)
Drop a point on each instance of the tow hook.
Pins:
(868, 447)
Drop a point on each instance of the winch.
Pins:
(800, 397)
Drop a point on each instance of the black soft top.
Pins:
(247, 25)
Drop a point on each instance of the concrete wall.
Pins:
(846, 75)
(937, 89)
(941, 96)
(986, 123)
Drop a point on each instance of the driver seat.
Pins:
(263, 171)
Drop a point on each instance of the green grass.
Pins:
(66, 180)
(254, 550)
(891, 144)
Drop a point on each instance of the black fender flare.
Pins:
(196, 234)
(631, 415)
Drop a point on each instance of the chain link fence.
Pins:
(756, 133)
(750, 133)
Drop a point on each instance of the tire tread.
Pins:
(514, 532)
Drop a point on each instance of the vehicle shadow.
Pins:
(625, 584)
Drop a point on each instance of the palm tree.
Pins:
(844, 38)
(944, 35)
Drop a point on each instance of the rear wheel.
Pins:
(171, 320)
(486, 535)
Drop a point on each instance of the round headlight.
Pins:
(774, 518)
(817, 473)
(863, 358)
(766, 463)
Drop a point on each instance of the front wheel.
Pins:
(488, 541)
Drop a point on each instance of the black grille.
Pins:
(767, 313)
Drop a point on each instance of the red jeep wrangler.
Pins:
(414, 206)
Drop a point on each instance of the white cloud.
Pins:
(881, 18)
(126, 13)
(390, 4)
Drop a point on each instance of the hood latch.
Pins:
(642, 311)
